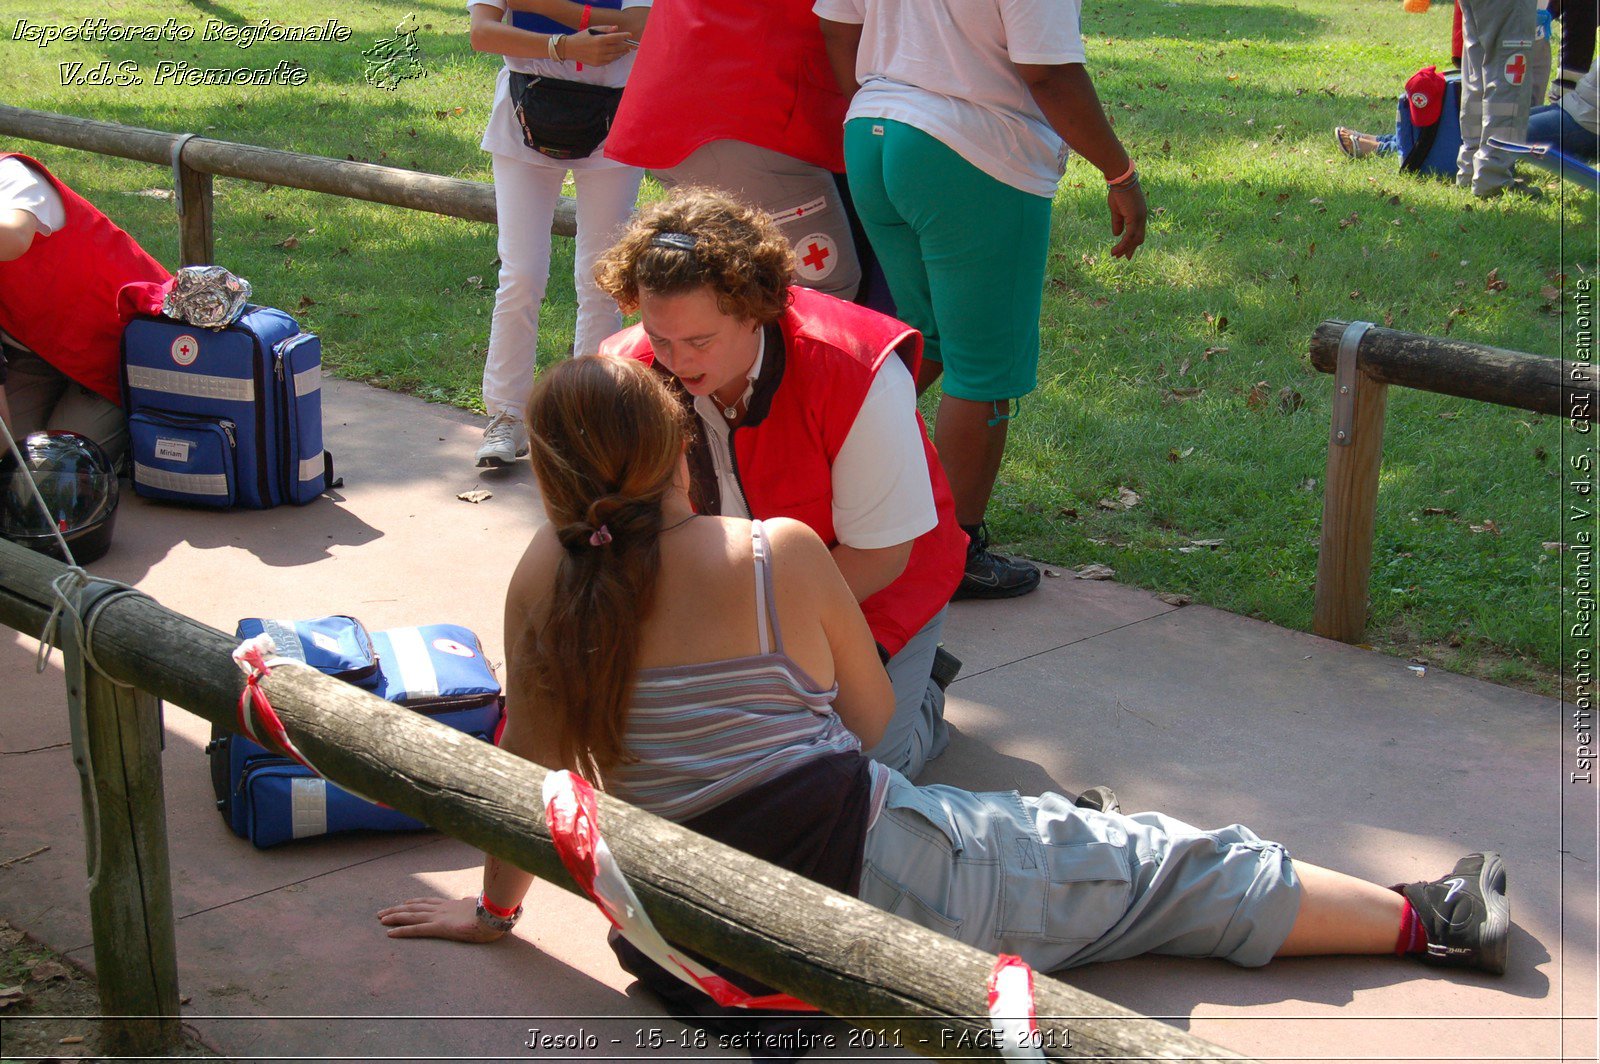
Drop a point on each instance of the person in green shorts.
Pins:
(954, 143)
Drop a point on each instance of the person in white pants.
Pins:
(527, 189)
(1497, 61)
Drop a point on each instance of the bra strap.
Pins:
(766, 600)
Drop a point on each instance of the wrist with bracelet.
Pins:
(553, 45)
(1128, 179)
(496, 918)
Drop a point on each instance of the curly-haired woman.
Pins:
(805, 407)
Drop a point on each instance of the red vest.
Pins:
(755, 72)
(832, 352)
(60, 298)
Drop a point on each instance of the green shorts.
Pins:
(964, 255)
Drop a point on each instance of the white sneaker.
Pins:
(504, 441)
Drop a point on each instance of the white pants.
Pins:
(1497, 59)
(526, 194)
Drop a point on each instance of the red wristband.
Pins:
(494, 910)
(1125, 175)
(583, 22)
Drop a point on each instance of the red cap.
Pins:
(1425, 95)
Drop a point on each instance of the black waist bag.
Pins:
(563, 119)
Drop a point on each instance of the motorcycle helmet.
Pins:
(78, 485)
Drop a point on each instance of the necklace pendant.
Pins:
(731, 412)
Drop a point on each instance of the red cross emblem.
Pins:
(1516, 68)
(815, 256)
(185, 349)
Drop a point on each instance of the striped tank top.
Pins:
(708, 732)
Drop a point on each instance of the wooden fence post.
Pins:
(1349, 503)
(192, 196)
(130, 892)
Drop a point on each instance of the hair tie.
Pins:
(600, 537)
(675, 241)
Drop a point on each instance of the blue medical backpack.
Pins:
(436, 669)
(225, 417)
(1431, 149)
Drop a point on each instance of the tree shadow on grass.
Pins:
(1232, 21)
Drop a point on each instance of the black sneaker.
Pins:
(1102, 798)
(991, 575)
(946, 666)
(1465, 915)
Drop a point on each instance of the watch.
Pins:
(501, 924)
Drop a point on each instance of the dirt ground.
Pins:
(48, 1007)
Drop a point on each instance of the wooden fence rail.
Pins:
(195, 159)
(822, 946)
(1365, 359)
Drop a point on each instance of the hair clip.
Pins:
(600, 537)
(674, 241)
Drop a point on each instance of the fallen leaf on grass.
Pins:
(1175, 455)
(1289, 400)
(1069, 513)
(155, 193)
(1258, 395)
(1550, 292)
(1487, 526)
(1173, 599)
(1554, 546)
(1219, 321)
(475, 495)
(1493, 283)
(1388, 319)
(305, 302)
(1180, 395)
(1449, 415)
(1308, 484)
(1208, 352)
(1437, 511)
(44, 971)
(1095, 571)
(1212, 543)
(1353, 219)
(1126, 499)
(288, 243)
(10, 995)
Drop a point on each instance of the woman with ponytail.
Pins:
(718, 672)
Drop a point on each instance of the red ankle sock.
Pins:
(1412, 939)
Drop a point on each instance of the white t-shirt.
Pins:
(503, 136)
(24, 188)
(881, 492)
(946, 68)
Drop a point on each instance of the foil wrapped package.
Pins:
(207, 296)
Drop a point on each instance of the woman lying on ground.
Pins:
(718, 672)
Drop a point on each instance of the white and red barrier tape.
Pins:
(569, 810)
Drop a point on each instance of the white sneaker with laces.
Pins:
(504, 441)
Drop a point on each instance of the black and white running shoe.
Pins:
(1465, 915)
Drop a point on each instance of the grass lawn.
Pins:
(1151, 371)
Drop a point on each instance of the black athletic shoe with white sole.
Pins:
(990, 575)
(1465, 915)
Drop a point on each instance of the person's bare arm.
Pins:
(842, 41)
(630, 20)
(491, 33)
(866, 700)
(868, 571)
(526, 735)
(17, 229)
(1065, 93)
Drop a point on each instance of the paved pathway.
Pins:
(1349, 756)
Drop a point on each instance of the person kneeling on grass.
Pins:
(733, 679)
